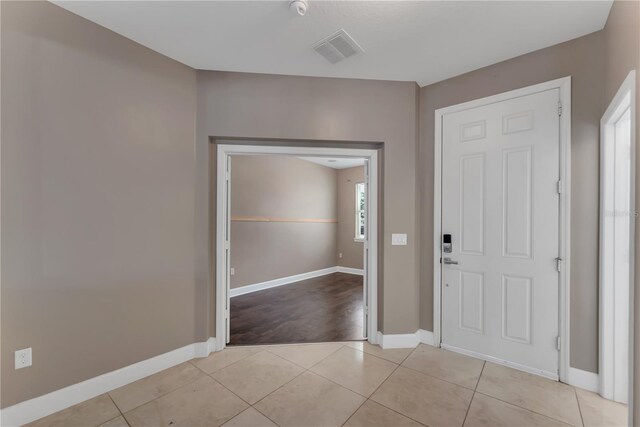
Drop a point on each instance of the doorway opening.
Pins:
(617, 224)
(296, 244)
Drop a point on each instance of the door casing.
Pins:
(222, 245)
(564, 86)
(606, 360)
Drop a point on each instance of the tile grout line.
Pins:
(119, 410)
(354, 412)
(229, 390)
(347, 388)
(270, 393)
(381, 384)
(440, 379)
(480, 376)
(575, 392)
(328, 379)
(372, 393)
(474, 394)
(525, 409)
(157, 397)
(319, 361)
(224, 367)
(552, 417)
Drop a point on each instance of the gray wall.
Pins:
(285, 188)
(621, 55)
(283, 107)
(582, 59)
(97, 200)
(352, 252)
(98, 194)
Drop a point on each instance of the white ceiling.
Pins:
(335, 162)
(422, 41)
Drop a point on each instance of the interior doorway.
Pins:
(253, 305)
(296, 249)
(617, 224)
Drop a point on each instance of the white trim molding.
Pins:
(625, 98)
(405, 340)
(398, 340)
(583, 379)
(222, 245)
(349, 270)
(564, 87)
(41, 406)
(426, 337)
(247, 289)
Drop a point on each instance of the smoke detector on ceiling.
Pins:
(298, 6)
(338, 46)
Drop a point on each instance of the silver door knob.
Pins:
(449, 261)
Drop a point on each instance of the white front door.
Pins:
(500, 204)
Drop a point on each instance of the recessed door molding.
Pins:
(221, 246)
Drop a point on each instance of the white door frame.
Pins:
(564, 86)
(223, 216)
(624, 98)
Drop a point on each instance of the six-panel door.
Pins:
(500, 203)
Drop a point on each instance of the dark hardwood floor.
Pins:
(326, 308)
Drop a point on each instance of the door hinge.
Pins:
(226, 244)
(558, 342)
(366, 311)
(559, 188)
(559, 262)
(559, 108)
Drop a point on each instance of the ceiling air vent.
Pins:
(337, 47)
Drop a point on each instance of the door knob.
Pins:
(449, 261)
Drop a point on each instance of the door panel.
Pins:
(472, 204)
(500, 204)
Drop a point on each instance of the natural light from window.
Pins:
(360, 204)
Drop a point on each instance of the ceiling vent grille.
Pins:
(337, 46)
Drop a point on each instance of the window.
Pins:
(360, 204)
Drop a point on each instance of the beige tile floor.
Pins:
(334, 384)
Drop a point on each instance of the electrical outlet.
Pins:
(23, 358)
(233, 271)
(340, 255)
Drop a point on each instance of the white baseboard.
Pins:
(243, 290)
(41, 406)
(405, 340)
(426, 337)
(203, 349)
(349, 270)
(583, 379)
(279, 282)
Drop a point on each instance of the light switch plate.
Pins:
(23, 358)
(399, 239)
(233, 271)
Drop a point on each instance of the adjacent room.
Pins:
(319, 213)
(296, 249)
